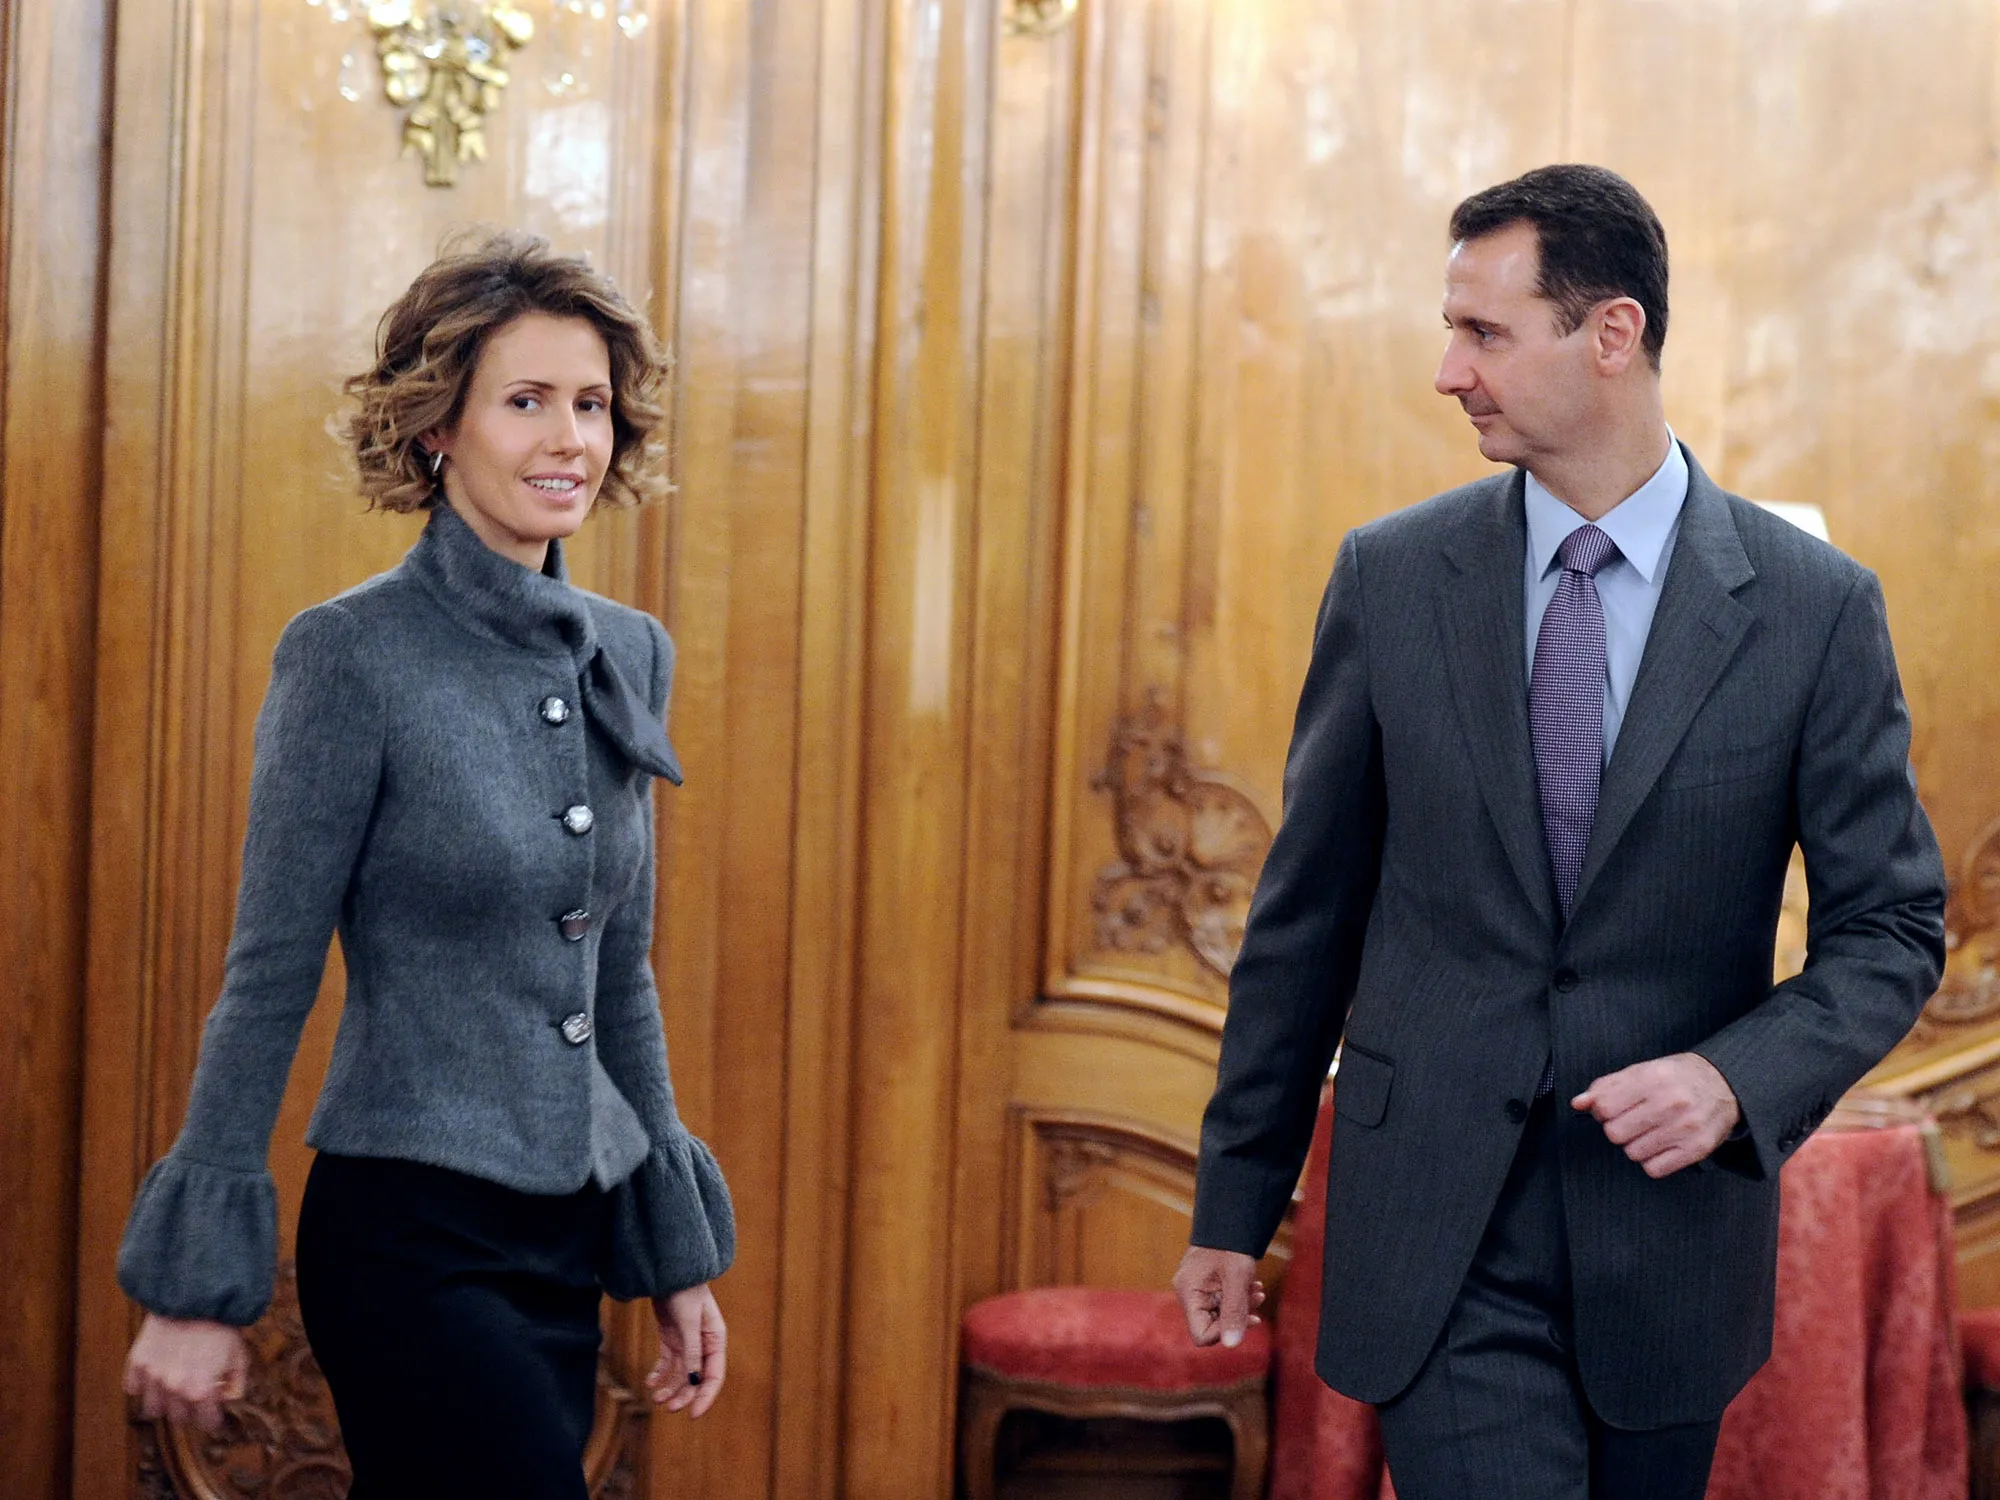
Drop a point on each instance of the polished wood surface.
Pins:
(1032, 362)
(898, 1359)
(763, 583)
(51, 263)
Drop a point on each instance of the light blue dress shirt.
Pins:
(1643, 527)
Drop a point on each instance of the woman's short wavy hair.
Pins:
(429, 342)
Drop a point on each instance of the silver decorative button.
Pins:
(554, 711)
(574, 924)
(578, 819)
(576, 1029)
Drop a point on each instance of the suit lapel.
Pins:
(1483, 626)
(1696, 630)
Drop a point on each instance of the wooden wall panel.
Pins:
(899, 1347)
(1023, 393)
(763, 588)
(808, 1405)
(1250, 350)
(1097, 1202)
(52, 230)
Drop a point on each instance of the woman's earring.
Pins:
(437, 461)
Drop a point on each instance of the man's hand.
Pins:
(1667, 1114)
(1220, 1294)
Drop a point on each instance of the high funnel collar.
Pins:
(498, 598)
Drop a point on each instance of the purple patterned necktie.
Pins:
(1566, 712)
(1566, 707)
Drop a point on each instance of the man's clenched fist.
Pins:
(1668, 1113)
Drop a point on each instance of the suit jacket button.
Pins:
(1517, 1110)
(574, 924)
(576, 1029)
(554, 711)
(578, 819)
(1566, 980)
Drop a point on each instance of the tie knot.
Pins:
(1587, 549)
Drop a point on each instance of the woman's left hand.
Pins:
(694, 1348)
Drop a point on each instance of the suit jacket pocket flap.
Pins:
(1361, 1087)
(1710, 765)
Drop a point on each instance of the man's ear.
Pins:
(1619, 331)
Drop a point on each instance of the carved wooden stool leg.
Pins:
(1250, 1432)
(979, 1418)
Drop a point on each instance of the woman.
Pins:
(454, 768)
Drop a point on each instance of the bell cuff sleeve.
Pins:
(202, 1242)
(201, 1239)
(672, 1223)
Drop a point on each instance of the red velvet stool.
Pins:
(1091, 1352)
(1979, 1337)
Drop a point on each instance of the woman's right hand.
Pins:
(185, 1369)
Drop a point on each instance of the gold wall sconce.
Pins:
(447, 63)
(1039, 17)
(447, 66)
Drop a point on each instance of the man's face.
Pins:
(1527, 389)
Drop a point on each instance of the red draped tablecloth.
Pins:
(1860, 1401)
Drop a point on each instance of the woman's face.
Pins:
(524, 462)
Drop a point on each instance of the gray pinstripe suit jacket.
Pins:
(1407, 902)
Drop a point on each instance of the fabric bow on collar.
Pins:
(624, 719)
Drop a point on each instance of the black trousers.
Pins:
(1497, 1411)
(456, 1322)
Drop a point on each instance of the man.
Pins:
(1561, 730)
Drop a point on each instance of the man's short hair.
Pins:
(1598, 237)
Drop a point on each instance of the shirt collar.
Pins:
(1638, 525)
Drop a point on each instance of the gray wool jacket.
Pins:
(453, 769)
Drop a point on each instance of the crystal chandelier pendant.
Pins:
(348, 81)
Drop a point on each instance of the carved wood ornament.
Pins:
(1969, 993)
(1967, 1106)
(1072, 1161)
(282, 1440)
(1191, 844)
